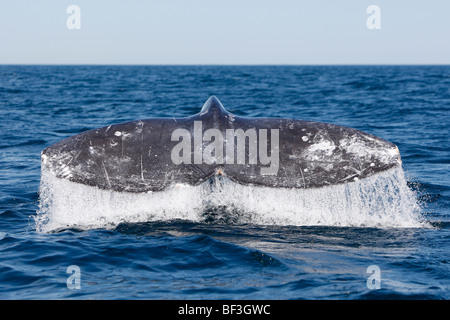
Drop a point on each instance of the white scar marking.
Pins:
(106, 174)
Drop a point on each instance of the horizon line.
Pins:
(224, 64)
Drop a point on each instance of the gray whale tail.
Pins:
(154, 154)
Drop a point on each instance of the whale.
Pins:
(155, 154)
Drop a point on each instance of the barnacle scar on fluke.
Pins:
(154, 154)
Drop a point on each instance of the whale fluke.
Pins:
(154, 154)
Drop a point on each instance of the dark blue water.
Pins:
(218, 258)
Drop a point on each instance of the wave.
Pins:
(383, 200)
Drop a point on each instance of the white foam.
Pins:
(383, 201)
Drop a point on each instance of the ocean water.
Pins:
(243, 242)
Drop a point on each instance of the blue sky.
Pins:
(225, 32)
